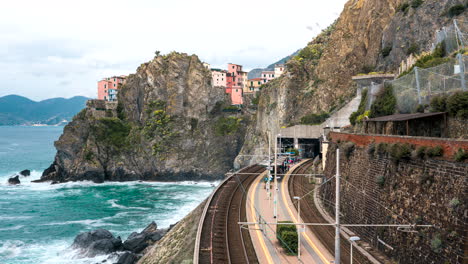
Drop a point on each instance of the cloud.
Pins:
(61, 48)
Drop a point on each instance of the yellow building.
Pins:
(253, 85)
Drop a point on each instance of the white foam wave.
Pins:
(10, 249)
(114, 203)
(12, 228)
(50, 252)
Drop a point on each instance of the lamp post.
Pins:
(352, 240)
(300, 227)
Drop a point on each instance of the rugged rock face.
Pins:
(318, 79)
(97, 242)
(168, 125)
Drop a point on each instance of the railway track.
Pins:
(300, 186)
(221, 239)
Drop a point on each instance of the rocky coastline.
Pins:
(103, 242)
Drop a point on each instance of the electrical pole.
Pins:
(275, 199)
(337, 209)
(269, 166)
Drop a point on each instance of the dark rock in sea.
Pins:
(97, 242)
(25, 172)
(54, 182)
(127, 258)
(137, 242)
(14, 180)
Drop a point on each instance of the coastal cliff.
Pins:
(168, 125)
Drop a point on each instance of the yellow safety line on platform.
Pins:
(257, 228)
(285, 180)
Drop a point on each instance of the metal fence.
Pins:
(454, 37)
(420, 85)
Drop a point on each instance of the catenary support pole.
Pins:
(275, 199)
(418, 85)
(337, 209)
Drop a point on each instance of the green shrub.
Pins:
(287, 235)
(289, 241)
(382, 148)
(314, 119)
(89, 155)
(400, 151)
(311, 52)
(436, 151)
(403, 8)
(436, 244)
(438, 103)
(111, 132)
(461, 155)
(361, 109)
(385, 103)
(412, 49)
(454, 202)
(120, 111)
(227, 125)
(416, 3)
(158, 126)
(380, 180)
(386, 51)
(420, 152)
(256, 99)
(348, 149)
(457, 105)
(231, 108)
(371, 149)
(456, 10)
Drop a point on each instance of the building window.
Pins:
(233, 67)
(222, 79)
(236, 90)
(114, 84)
(273, 76)
(114, 80)
(105, 86)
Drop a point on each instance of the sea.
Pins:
(39, 221)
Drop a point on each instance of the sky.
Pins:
(57, 48)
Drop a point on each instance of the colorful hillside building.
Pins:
(254, 84)
(108, 87)
(279, 69)
(267, 76)
(235, 83)
(219, 77)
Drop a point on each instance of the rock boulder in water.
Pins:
(14, 180)
(127, 258)
(25, 172)
(97, 242)
(137, 242)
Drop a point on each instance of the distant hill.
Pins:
(19, 110)
(255, 73)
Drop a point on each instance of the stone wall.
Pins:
(450, 146)
(378, 190)
(101, 108)
(457, 128)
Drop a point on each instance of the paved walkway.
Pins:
(264, 238)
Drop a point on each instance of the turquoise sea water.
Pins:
(39, 221)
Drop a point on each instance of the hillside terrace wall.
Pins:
(102, 108)
(377, 190)
(450, 146)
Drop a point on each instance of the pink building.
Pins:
(235, 83)
(108, 87)
(219, 77)
(267, 76)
